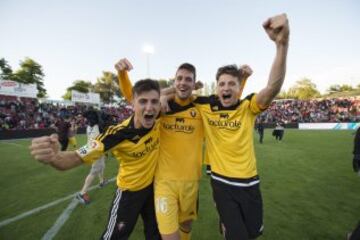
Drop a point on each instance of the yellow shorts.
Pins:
(72, 142)
(175, 202)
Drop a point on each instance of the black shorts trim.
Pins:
(238, 182)
(208, 169)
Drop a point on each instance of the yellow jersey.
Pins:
(137, 151)
(229, 139)
(181, 137)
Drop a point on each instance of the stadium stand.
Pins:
(313, 111)
(29, 114)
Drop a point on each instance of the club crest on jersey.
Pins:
(193, 113)
(224, 115)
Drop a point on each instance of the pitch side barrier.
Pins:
(318, 126)
(18, 134)
(31, 133)
(288, 125)
(329, 126)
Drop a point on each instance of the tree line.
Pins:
(305, 89)
(31, 72)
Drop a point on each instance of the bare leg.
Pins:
(88, 180)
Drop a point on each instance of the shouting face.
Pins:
(146, 108)
(228, 89)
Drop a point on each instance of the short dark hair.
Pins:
(189, 67)
(232, 70)
(145, 85)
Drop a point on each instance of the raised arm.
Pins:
(47, 150)
(122, 67)
(245, 72)
(278, 31)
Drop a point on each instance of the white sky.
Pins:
(75, 40)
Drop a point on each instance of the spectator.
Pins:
(260, 130)
(278, 132)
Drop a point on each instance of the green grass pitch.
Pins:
(308, 186)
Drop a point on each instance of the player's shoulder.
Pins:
(249, 97)
(115, 128)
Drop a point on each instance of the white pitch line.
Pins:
(14, 144)
(15, 139)
(51, 233)
(36, 210)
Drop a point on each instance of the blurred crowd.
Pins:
(27, 113)
(313, 111)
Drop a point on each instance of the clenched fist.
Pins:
(123, 64)
(277, 28)
(44, 149)
(245, 71)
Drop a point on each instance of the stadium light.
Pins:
(148, 50)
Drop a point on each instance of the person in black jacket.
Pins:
(355, 235)
(260, 130)
(356, 152)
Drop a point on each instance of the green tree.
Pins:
(346, 88)
(107, 86)
(165, 83)
(80, 86)
(6, 71)
(31, 72)
(303, 89)
(333, 88)
(340, 88)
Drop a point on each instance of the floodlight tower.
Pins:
(148, 50)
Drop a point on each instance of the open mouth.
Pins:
(149, 116)
(226, 96)
(183, 90)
